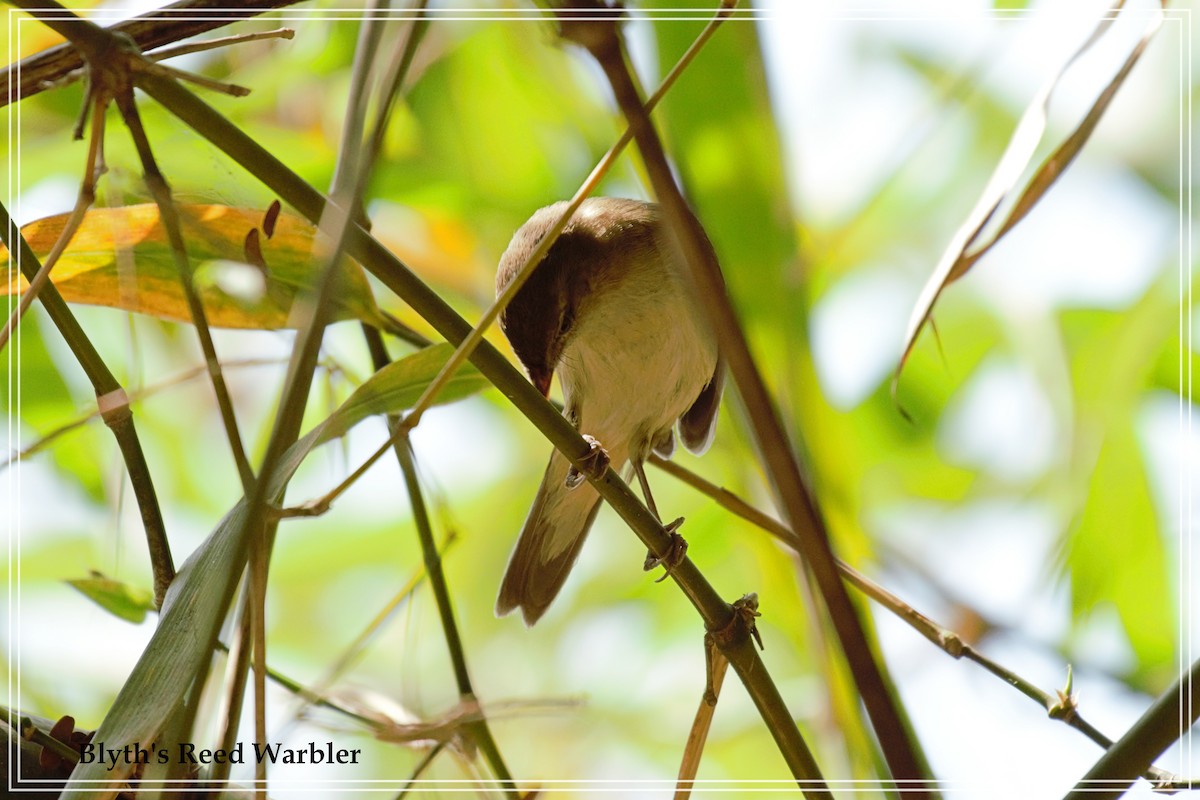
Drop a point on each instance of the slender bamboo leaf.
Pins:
(398, 386)
(966, 246)
(1118, 522)
(160, 678)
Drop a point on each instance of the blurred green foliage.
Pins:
(500, 119)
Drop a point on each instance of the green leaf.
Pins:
(120, 258)
(1115, 553)
(398, 386)
(200, 593)
(127, 602)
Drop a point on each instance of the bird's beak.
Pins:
(541, 380)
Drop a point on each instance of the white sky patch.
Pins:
(1001, 422)
(1096, 239)
(856, 330)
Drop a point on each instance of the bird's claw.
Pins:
(594, 464)
(675, 554)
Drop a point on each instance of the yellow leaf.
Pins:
(120, 258)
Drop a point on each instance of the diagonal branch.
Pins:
(1061, 707)
(601, 38)
(161, 192)
(715, 612)
(1173, 712)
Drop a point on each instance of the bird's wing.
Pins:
(699, 422)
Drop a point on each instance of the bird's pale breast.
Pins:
(647, 340)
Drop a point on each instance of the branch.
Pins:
(715, 612)
(1165, 720)
(599, 35)
(153, 29)
(1060, 706)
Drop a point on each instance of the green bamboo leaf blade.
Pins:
(1118, 521)
(120, 258)
(1119, 525)
(119, 599)
(398, 386)
(198, 596)
(201, 589)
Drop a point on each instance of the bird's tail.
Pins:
(549, 543)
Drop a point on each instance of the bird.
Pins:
(612, 309)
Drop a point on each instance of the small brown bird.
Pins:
(613, 309)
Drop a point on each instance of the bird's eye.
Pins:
(564, 325)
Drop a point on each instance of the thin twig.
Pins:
(236, 693)
(256, 601)
(1059, 706)
(716, 666)
(87, 195)
(135, 397)
(1171, 713)
(166, 70)
(161, 191)
(293, 686)
(369, 32)
(223, 41)
(420, 768)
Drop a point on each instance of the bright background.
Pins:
(1039, 502)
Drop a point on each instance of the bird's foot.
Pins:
(593, 464)
(675, 554)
